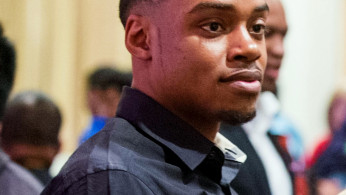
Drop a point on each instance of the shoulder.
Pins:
(12, 176)
(111, 156)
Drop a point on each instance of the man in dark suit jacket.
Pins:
(252, 173)
(252, 177)
(266, 170)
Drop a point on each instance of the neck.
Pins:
(32, 156)
(203, 123)
(206, 126)
(209, 132)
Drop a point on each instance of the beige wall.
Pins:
(58, 43)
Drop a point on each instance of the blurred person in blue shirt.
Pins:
(104, 87)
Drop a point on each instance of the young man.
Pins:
(195, 63)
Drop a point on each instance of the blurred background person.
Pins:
(270, 140)
(335, 116)
(14, 179)
(329, 171)
(327, 162)
(104, 87)
(30, 133)
(280, 123)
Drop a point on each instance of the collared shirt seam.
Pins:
(106, 170)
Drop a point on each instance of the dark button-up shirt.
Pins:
(146, 149)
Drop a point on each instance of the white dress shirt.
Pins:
(257, 129)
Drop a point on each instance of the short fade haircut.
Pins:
(32, 118)
(125, 7)
(7, 69)
(107, 77)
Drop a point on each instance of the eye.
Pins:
(213, 27)
(258, 29)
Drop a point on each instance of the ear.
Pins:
(137, 37)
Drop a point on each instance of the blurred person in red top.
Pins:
(336, 114)
(321, 181)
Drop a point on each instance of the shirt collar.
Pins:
(162, 125)
(165, 127)
(231, 151)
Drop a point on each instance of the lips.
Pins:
(248, 81)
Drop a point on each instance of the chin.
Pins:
(236, 117)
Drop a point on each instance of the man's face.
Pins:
(210, 57)
(277, 28)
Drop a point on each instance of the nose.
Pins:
(242, 46)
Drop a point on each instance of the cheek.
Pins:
(204, 54)
(269, 44)
(201, 65)
(193, 68)
(263, 59)
(214, 49)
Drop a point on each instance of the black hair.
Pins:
(33, 118)
(106, 77)
(125, 7)
(7, 69)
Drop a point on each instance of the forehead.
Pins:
(235, 6)
(276, 8)
(276, 17)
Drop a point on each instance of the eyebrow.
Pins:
(223, 6)
(208, 5)
(262, 8)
